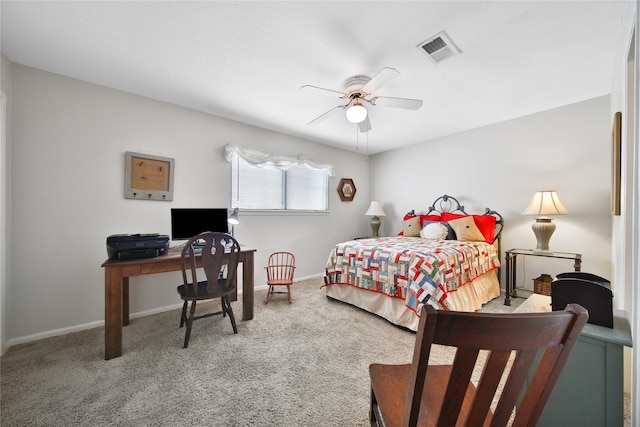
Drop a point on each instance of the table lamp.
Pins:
(544, 203)
(234, 219)
(375, 210)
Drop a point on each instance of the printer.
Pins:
(136, 246)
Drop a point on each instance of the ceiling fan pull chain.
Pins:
(367, 143)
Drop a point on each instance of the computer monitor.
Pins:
(189, 222)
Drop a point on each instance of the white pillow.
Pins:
(434, 231)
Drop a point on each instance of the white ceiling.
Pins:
(247, 60)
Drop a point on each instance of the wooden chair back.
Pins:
(280, 268)
(525, 354)
(219, 256)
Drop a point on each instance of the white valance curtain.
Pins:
(266, 160)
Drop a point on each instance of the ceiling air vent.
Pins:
(439, 47)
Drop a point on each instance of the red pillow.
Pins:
(448, 216)
(487, 226)
(424, 218)
(485, 223)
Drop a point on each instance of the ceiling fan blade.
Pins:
(383, 77)
(323, 116)
(365, 125)
(323, 91)
(406, 103)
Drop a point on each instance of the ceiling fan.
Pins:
(359, 90)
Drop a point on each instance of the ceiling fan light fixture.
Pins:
(356, 113)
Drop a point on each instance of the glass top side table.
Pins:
(510, 258)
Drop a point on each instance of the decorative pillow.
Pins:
(451, 235)
(485, 223)
(466, 229)
(411, 226)
(434, 231)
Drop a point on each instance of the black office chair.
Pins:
(219, 259)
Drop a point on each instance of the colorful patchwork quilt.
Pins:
(411, 268)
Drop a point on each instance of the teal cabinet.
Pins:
(589, 391)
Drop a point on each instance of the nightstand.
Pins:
(510, 259)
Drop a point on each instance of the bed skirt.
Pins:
(469, 297)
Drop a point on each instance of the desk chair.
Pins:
(280, 268)
(419, 394)
(219, 261)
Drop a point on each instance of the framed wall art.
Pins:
(148, 177)
(346, 189)
(616, 169)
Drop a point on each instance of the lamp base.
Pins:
(375, 225)
(543, 228)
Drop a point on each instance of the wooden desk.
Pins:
(116, 291)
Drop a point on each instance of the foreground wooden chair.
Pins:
(419, 394)
(280, 268)
(219, 260)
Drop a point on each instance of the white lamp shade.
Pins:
(545, 203)
(356, 113)
(375, 209)
(234, 218)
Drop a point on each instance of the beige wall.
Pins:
(5, 176)
(625, 97)
(69, 142)
(500, 167)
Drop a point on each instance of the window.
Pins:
(265, 182)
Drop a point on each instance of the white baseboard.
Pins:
(53, 333)
(85, 326)
(100, 323)
(313, 276)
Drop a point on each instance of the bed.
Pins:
(446, 258)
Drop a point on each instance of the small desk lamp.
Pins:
(544, 203)
(234, 219)
(375, 210)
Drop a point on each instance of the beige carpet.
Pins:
(303, 364)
